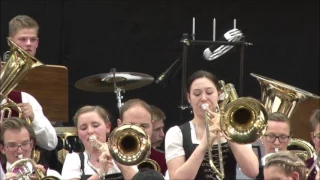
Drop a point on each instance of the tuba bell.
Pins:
(280, 97)
(17, 64)
(26, 167)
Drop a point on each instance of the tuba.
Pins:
(149, 164)
(281, 97)
(25, 171)
(18, 63)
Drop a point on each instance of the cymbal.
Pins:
(105, 82)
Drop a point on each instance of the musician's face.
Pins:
(316, 138)
(275, 128)
(140, 116)
(203, 90)
(16, 142)
(91, 123)
(157, 133)
(277, 173)
(27, 39)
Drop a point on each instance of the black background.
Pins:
(91, 37)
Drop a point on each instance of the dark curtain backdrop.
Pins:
(91, 37)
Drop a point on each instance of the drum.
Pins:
(68, 142)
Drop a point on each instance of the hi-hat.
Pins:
(106, 82)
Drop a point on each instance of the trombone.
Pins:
(242, 120)
(128, 144)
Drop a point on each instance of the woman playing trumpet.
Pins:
(93, 163)
(186, 146)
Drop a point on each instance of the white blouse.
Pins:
(72, 167)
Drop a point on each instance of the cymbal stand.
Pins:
(117, 90)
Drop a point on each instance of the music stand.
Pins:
(49, 85)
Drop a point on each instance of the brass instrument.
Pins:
(242, 120)
(25, 172)
(149, 164)
(18, 63)
(280, 97)
(128, 144)
(219, 174)
(307, 152)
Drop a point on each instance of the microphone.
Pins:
(233, 35)
(165, 74)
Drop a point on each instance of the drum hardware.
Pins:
(64, 133)
(116, 82)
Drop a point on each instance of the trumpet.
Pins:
(25, 171)
(149, 164)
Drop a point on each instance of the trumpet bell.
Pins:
(129, 144)
(305, 150)
(149, 164)
(280, 97)
(243, 120)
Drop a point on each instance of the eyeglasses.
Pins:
(316, 136)
(272, 138)
(14, 147)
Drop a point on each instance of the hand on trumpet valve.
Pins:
(9, 176)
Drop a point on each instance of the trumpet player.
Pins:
(17, 141)
(186, 146)
(94, 163)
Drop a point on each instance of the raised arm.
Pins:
(46, 135)
(246, 158)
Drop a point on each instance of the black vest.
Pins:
(116, 176)
(205, 171)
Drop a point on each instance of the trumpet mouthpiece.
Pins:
(204, 106)
(20, 156)
(276, 150)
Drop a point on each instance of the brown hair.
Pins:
(288, 162)
(200, 74)
(103, 113)
(21, 22)
(134, 103)
(315, 119)
(157, 113)
(279, 117)
(15, 123)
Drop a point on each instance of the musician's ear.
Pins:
(295, 176)
(119, 122)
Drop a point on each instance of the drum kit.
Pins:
(116, 82)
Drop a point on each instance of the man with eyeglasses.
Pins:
(18, 139)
